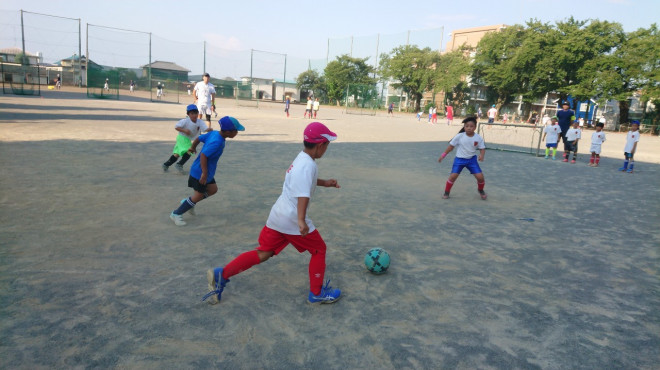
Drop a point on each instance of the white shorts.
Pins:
(205, 109)
(595, 148)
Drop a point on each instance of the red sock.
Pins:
(241, 263)
(448, 186)
(316, 272)
(592, 160)
(597, 160)
(480, 185)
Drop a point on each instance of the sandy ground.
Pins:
(93, 274)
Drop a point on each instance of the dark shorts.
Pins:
(194, 183)
(628, 155)
(570, 147)
(551, 145)
(471, 164)
(491, 120)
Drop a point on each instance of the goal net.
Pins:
(512, 138)
(21, 79)
(362, 99)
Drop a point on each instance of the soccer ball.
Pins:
(377, 260)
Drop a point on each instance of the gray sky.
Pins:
(300, 29)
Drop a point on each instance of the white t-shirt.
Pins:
(598, 138)
(204, 92)
(299, 181)
(195, 128)
(316, 105)
(546, 120)
(573, 133)
(467, 146)
(309, 104)
(492, 112)
(552, 133)
(631, 139)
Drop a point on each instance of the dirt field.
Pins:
(94, 274)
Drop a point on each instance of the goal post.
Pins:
(512, 138)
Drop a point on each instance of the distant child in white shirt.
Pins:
(419, 115)
(631, 147)
(573, 135)
(597, 139)
(467, 143)
(552, 133)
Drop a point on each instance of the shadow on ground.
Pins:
(93, 273)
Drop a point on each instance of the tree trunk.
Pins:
(624, 107)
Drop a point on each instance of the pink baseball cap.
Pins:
(316, 132)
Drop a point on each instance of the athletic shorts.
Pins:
(205, 109)
(550, 145)
(570, 147)
(491, 120)
(471, 164)
(194, 183)
(595, 148)
(628, 155)
(308, 110)
(182, 145)
(274, 241)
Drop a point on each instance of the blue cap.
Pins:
(230, 124)
(635, 122)
(493, 105)
(191, 107)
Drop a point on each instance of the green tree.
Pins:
(411, 69)
(311, 80)
(22, 59)
(579, 43)
(449, 76)
(494, 63)
(344, 70)
(632, 67)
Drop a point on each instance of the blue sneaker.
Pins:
(216, 285)
(327, 295)
(630, 170)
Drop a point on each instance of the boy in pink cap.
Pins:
(288, 223)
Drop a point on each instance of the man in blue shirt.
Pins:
(565, 117)
(202, 171)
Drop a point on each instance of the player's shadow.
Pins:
(9, 117)
(64, 107)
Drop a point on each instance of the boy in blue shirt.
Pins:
(202, 171)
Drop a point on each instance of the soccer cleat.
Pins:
(565, 159)
(483, 194)
(216, 285)
(623, 168)
(630, 170)
(165, 168)
(553, 158)
(573, 161)
(445, 196)
(546, 157)
(327, 295)
(178, 219)
(190, 211)
(179, 167)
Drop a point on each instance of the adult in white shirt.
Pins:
(205, 97)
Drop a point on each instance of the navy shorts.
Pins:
(570, 147)
(471, 164)
(551, 145)
(628, 155)
(194, 183)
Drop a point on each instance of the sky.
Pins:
(299, 29)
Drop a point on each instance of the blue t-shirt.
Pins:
(564, 119)
(214, 145)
